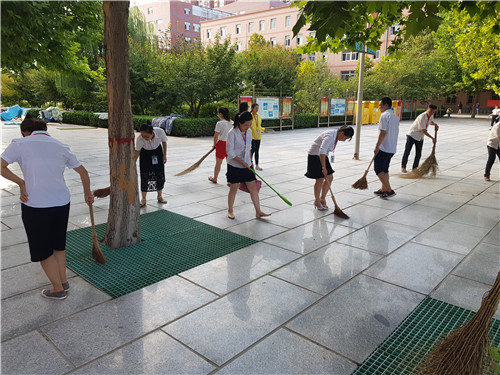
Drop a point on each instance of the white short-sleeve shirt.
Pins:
(324, 144)
(43, 160)
(389, 122)
(421, 122)
(223, 127)
(239, 144)
(493, 137)
(153, 144)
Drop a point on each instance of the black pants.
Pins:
(410, 141)
(255, 150)
(494, 118)
(491, 159)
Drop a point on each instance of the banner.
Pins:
(399, 109)
(247, 99)
(407, 106)
(269, 108)
(287, 107)
(350, 107)
(337, 107)
(323, 109)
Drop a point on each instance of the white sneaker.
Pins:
(258, 168)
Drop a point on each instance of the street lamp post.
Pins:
(360, 104)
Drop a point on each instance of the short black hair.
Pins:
(243, 107)
(432, 106)
(146, 128)
(386, 100)
(347, 130)
(33, 124)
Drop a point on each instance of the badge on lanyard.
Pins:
(154, 159)
(332, 158)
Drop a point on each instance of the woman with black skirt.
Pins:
(151, 149)
(239, 141)
(318, 165)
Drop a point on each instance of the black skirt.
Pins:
(235, 175)
(152, 175)
(314, 167)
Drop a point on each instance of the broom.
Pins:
(362, 184)
(96, 250)
(338, 212)
(466, 351)
(279, 195)
(430, 165)
(102, 193)
(195, 165)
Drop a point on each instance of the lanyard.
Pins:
(427, 124)
(42, 134)
(335, 144)
(244, 138)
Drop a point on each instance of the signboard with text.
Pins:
(337, 107)
(323, 109)
(269, 108)
(287, 107)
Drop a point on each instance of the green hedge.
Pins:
(32, 113)
(194, 127)
(90, 119)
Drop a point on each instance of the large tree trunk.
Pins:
(123, 218)
(473, 112)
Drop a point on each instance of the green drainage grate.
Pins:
(401, 352)
(171, 244)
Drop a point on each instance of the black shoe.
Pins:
(378, 192)
(388, 195)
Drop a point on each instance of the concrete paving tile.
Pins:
(489, 200)
(475, 215)
(327, 268)
(241, 318)
(395, 203)
(25, 277)
(420, 217)
(32, 354)
(156, 353)
(29, 311)
(360, 215)
(481, 265)
(4, 193)
(452, 236)
(347, 199)
(101, 329)
(229, 272)
(444, 201)
(311, 236)
(494, 236)
(292, 217)
(416, 267)
(258, 229)
(193, 210)
(419, 188)
(12, 222)
(357, 317)
(285, 352)
(13, 236)
(15, 255)
(461, 188)
(462, 292)
(382, 237)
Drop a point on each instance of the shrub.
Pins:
(141, 120)
(32, 113)
(194, 127)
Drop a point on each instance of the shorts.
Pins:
(220, 150)
(46, 230)
(314, 169)
(382, 161)
(235, 174)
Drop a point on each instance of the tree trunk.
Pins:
(123, 217)
(473, 111)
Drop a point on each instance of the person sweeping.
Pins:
(222, 128)
(318, 165)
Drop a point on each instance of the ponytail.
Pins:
(225, 113)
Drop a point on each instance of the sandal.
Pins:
(161, 200)
(56, 295)
(65, 285)
(212, 179)
(143, 203)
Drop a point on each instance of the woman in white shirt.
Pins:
(239, 142)
(222, 128)
(151, 149)
(493, 145)
(494, 115)
(318, 166)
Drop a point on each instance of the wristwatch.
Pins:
(377, 146)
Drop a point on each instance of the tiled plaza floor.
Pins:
(316, 295)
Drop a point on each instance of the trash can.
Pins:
(366, 113)
(374, 112)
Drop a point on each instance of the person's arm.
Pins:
(137, 153)
(425, 132)
(216, 138)
(11, 176)
(381, 136)
(164, 145)
(84, 176)
(435, 125)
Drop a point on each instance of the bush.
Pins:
(194, 127)
(210, 109)
(32, 113)
(141, 120)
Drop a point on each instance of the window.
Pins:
(348, 56)
(287, 40)
(394, 28)
(187, 11)
(158, 22)
(262, 25)
(187, 39)
(312, 34)
(312, 57)
(150, 10)
(223, 31)
(377, 54)
(451, 100)
(346, 74)
(196, 27)
(238, 29)
(272, 41)
(273, 23)
(250, 27)
(209, 33)
(187, 26)
(299, 39)
(470, 99)
(238, 46)
(287, 21)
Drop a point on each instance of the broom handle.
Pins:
(369, 165)
(279, 195)
(333, 197)
(91, 210)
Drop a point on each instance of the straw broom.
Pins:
(102, 193)
(195, 165)
(430, 165)
(338, 212)
(362, 184)
(96, 250)
(467, 350)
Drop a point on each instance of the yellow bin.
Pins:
(374, 112)
(365, 112)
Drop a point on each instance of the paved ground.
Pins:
(316, 295)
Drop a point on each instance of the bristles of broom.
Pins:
(362, 183)
(96, 250)
(467, 350)
(338, 212)
(430, 165)
(102, 193)
(195, 165)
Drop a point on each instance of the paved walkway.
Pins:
(316, 295)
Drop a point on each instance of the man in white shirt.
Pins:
(494, 115)
(386, 146)
(415, 136)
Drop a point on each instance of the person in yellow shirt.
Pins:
(257, 131)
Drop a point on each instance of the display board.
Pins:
(287, 107)
(247, 99)
(323, 109)
(269, 108)
(337, 107)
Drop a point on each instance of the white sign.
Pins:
(269, 108)
(337, 107)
